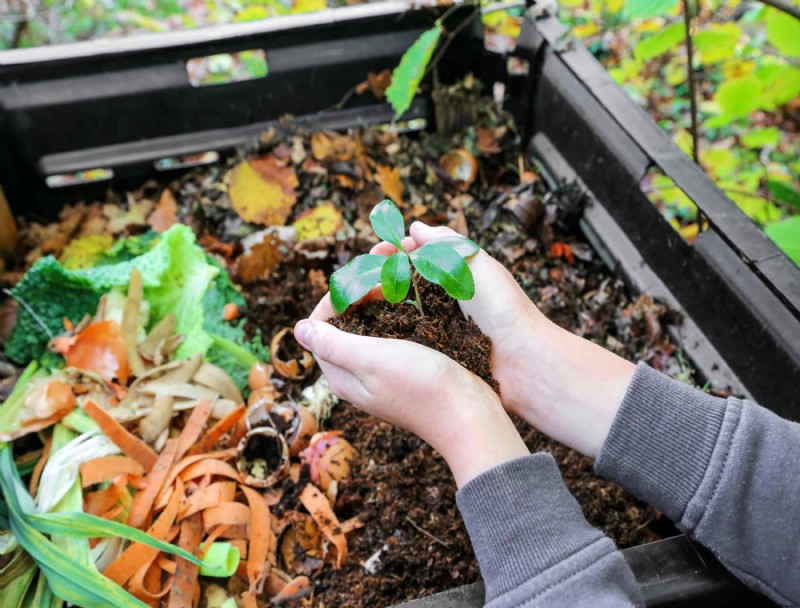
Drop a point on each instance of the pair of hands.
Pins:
(567, 387)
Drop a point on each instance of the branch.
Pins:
(687, 24)
(784, 6)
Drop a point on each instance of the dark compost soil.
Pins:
(443, 328)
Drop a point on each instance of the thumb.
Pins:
(422, 233)
(344, 350)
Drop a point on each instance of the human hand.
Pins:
(418, 389)
(566, 386)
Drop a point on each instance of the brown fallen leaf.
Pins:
(458, 220)
(262, 258)
(328, 145)
(165, 215)
(262, 191)
(487, 140)
(120, 218)
(378, 83)
(389, 180)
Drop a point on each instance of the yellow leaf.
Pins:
(324, 220)
(262, 191)
(587, 29)
(736, 68)
(83, 252)
(308, 6)
(388, 179)
(648, 25)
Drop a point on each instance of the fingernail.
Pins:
(302, 332)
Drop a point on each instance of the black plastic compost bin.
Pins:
(124, 105)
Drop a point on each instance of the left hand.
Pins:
(418, 389)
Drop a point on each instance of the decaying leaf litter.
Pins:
(205, 420)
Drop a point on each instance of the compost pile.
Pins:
(165, 395)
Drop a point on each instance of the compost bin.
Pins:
(121, 108)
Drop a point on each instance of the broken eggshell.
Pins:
(461, 165)
(300, 541)
(292, 369)
(328, 457)
(263, 457)
(295, 422)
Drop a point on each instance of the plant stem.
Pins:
(418, 300)
(687, 22)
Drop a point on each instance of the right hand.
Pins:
(567, 387)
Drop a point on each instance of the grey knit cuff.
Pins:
(522, 520)
(661, 441)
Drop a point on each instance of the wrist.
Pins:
(478, 436)
(571, 388)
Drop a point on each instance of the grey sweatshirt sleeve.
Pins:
(533, 545)
(725, 470)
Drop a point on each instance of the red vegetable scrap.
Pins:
(100, 348)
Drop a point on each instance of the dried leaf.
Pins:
(165, 215)
(262, 258)
(120, 219)
(487, 140)
(262, 191)
(378, 83)
(328, 145)
(321, 221)
(389, 180)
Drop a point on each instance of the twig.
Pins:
(687, 24)
(426, 533)
(784, 7)
(450, 37)
(31, 312)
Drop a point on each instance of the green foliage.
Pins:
(784, 193)
(786, 235)
(718, 42)
(783, 32)
(737, 98)
(396, 277)
(407, 76)
(648, 8)
(658, 44)
(441, 261)
(759, 138)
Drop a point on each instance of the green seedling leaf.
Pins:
(396, 277)
(649, 8)
(786, 235)
(444, 266)
(407, 76)
(658, 44)
(460, 244)
(387, 222)
(354, 280)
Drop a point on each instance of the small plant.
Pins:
(441, 261)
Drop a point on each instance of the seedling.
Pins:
(442, 261)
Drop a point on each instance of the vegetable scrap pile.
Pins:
(133, 427)
(195, 404)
